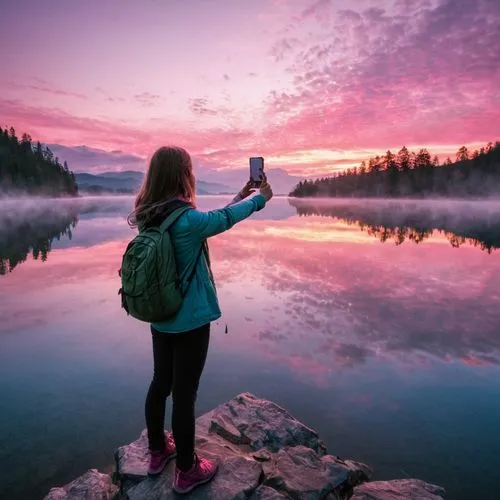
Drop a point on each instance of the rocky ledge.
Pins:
(264, 453)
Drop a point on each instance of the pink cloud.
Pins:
(421, 79)
(147, 99)
(199, 106)
(43, 86)
(337, 77)
(317, 8)
(57, 92)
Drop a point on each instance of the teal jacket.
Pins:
(200, 305)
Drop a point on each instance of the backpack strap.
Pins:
(170, 219)
(165, 225)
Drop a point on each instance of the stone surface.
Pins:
(267, 493)
(132, 460)
(93, 485)
(259, 423)
(236, 478)
(398, 489)
(303, 474)
(255, 441)
(263, 452)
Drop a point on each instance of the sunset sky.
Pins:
(313, 86)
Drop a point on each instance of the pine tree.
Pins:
(462, 154)
(31, 170)
(415, 174)
(403, 159)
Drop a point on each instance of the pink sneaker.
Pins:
(202, 472)
(159, 459)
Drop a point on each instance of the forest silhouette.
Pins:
(414, 175)
(32, 169)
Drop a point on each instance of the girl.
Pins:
(180, 344)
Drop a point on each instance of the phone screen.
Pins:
(256, 170)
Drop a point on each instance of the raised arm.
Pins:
(206, 224)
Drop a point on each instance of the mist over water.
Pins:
(462, 222)
(374, 321)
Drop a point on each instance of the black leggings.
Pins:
(178, 363)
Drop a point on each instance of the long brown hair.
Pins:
(169, 176)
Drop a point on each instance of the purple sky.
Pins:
(311, 85)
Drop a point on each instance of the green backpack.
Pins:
(151, 289)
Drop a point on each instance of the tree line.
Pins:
(398, 222)
(30, 168)
(409, 174)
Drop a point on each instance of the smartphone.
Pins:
(256, 171)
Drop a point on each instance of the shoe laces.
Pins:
(170, 440)
(203, 464)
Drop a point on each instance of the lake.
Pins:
(377, 323)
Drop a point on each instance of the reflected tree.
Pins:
(23, 234)
(399, 222)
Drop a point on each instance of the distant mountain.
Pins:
(129, 182)
(117, 163)
(87, 159)
(281, 181)
(209, 181)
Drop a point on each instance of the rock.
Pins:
(263, 452)
(236, 478)
(398, 489)
(259, 423)
(255, 441)
(93, 485)
(132, 461)
(266, 493)
(303, 474)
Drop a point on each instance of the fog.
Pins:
(461, 221)
(31, 225)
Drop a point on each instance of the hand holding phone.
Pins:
(265, 190)
(257, 175)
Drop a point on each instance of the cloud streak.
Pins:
(147, 99)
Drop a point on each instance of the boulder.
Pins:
(263, 453)
(93, 485)
(398, 489)
(259, 423)
(303, 474)
(237, 478)
(266, 493)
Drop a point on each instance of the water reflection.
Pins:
(461, 223)
(329, 307)
(333, 300)
(31, 228)
(391, 351)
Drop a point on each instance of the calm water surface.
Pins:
(376, 323)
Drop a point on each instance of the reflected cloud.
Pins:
(314, 294)
(344, 303)
(72, 281)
